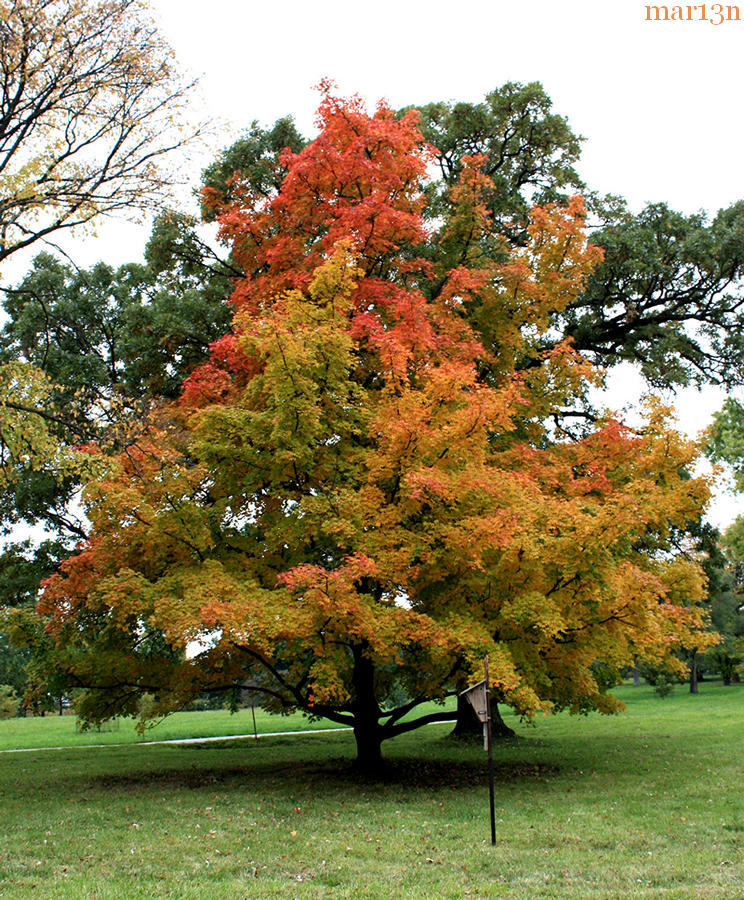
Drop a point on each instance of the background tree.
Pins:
(727, 617)
(9, 702)
(13, 662)
(91, 103)
(89, 98)
(105, 342)
(253, 161)
(727, 607)
(99, 346)
(529, 154)
(667, 297)
(355, 497)
(726, 443)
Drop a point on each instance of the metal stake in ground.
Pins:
(479, 697)
(490, 753)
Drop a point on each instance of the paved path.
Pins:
(200, 740)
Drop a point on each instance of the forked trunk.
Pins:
(469, 725)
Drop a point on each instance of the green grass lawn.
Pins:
(56, 731)
(647, 804)
(62, 731)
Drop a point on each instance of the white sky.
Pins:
(659, 103)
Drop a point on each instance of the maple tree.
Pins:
(357, 496)
(665, 296)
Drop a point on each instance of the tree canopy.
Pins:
(665, 296)
(358, 495)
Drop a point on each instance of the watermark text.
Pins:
(712, 13)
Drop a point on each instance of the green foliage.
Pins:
(146, 707)
(662, 679)
(23, 565)
(727, 606)
(134, 332)
(27, 435)
(82, 353)
(530, 151)
(252, 163)
(726, 444)
(211, 700)
(13, 662)
(664, 684)
(667, 296)
(9, 702)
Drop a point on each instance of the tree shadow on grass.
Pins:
(330, 774)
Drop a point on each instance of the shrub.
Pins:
(9, 702)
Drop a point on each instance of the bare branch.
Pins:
(90, 103)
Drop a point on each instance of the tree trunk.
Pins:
(636, 674)
(726, 666)
(367, 731)
(469, 725)
(693, 673)
(368, 738)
